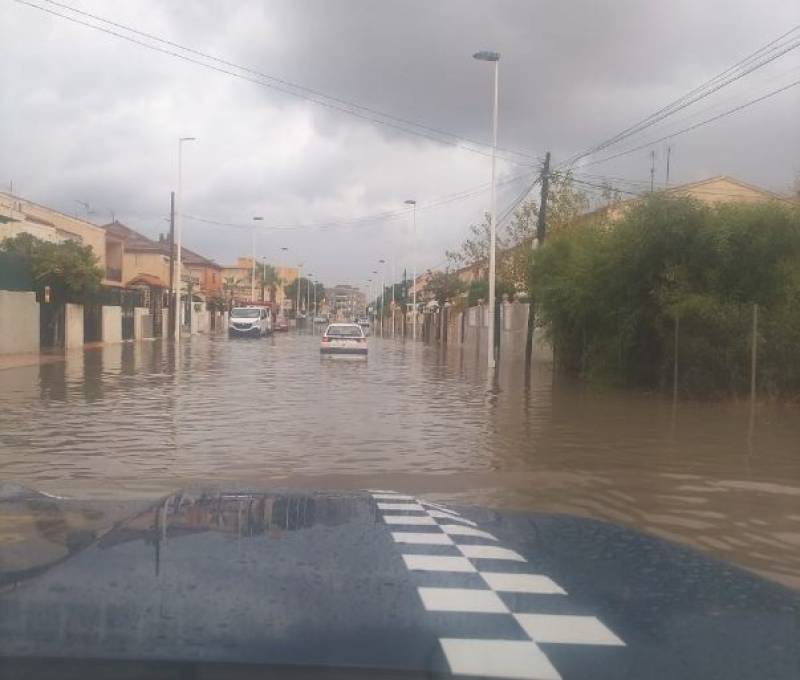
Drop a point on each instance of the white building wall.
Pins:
(19, 322)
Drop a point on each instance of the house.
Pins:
(141, 256)
(206, 275)
(19, 215)
(720, 189)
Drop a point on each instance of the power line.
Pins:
(761, 57)
(281, 85)
(364, 219)
(696, 125)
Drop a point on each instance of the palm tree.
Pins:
(229, 285)
(269, 279)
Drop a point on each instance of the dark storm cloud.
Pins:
(86, 116)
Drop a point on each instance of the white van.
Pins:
(249, 321)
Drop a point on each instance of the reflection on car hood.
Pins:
(377, 580)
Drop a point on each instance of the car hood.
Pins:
(377, 580)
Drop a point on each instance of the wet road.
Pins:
(126, 421)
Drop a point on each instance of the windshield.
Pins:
(245, 313)
(344, 331)
(442, 338)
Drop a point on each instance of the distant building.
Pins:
(721, 189)
(236, 282)
(346, 301)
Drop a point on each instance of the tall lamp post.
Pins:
(253, 261)
(297, 309)
(179, 235)
(375, 293)
(394, 279)
(492, 57)
(263, 278)
(308, 299)
(383, 294)
(413, 205)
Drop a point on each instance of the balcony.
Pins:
(113, 274)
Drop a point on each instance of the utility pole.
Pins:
(669, 153)
(652, 169)
(179, 235)
(171, 315)
(541, 222)
(541, 233)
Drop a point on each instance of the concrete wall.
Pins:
(513, 330)
(164, 323)
(19, 322)
(138, 322)
(73, 326)
(201, 321)
(112, 323)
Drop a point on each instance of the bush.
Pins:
(68, 267)
(609, 295)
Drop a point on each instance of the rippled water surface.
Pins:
(128, 420)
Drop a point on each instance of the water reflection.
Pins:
(141, 419)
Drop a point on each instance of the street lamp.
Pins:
(413, 205)
(179, 229)
(308, 298)
(383, 293)
(297, 309)
(253, 261)
(494, 57)
(263, 278)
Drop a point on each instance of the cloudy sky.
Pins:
(87, 116)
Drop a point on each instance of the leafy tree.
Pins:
(267, 277)
(475, 247)
(565, 204)
(444, 286)
(290, 291)
(68, 267)
(479, 290)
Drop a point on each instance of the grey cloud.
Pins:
(85, 116)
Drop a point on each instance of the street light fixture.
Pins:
(253, 260)
(308, 298)
(383, 293)
(492, 57)
(413, 205)
(178, 278)
(297, 309)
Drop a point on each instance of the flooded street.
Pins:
(128, 421)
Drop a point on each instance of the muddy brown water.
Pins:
(129, 422)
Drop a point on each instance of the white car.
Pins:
(252, 321)
(343, 338)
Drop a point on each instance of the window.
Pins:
(242, 313)
(344, 332)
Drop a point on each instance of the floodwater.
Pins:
(129, 421)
